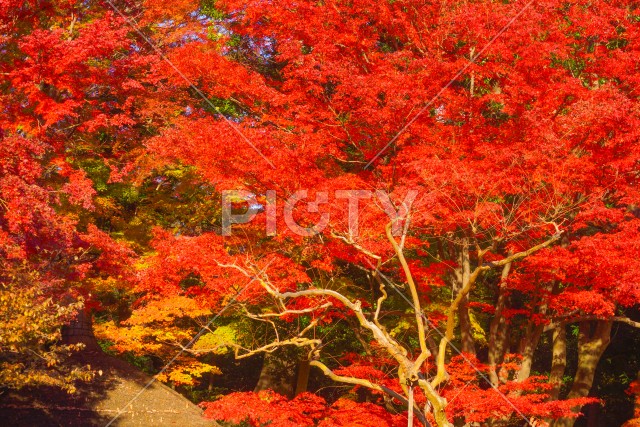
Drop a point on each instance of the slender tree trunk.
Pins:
(80, 331)
(468, 345)
(530, 341)
(498, 329)
(592, 342)
(464, 320)
(433, 347)
(559, 359)
(528, 346)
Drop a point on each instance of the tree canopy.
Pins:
(435, 204)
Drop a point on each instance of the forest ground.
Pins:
(97, 402)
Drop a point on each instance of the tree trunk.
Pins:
(466, 336)
(530, 341)
(302, 380)
(559, 360)
(464, 320)
(498, 329)
(528, 346)
(592, 342)
(80, 331)
(278, 373)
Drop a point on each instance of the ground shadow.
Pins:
(97, 402)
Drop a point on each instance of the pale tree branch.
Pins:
(356, 246)
(378, 259)
(408, 369)
(441, 374)
(271, 347)
(523, 254)
(298, 341)
(290, 312)
(366, 383)
(424, 351)
(620, 319)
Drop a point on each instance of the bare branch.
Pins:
(441, 374)
(288, 312)
(356, 246)
(424, 350)
(523, 254)
(620, 319)
(342, 379)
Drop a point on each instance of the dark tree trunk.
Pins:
(304, 368)
(530, 341)
(80, 331)
(528, 346)
(466, 334)
(592, 342)
(464, 319)
(278, 373)
(498, 329)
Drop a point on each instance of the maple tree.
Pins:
(305, 410)
(529, 153)
(501, 137)
(54, 259)
(30, 341)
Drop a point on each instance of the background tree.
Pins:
(530, 148)
(525, 167)
(63, 68)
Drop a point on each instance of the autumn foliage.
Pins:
(492, 149)
(305, 410)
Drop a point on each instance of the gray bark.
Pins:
(278, 373)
